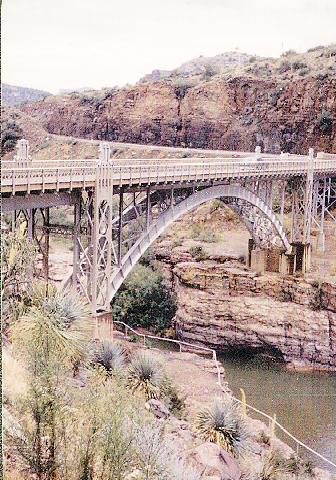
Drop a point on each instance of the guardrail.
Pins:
(68, 177)
(213, 353)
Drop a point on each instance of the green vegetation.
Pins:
(144, 300)
(209, 72)
(18, 254)
(110, 355)
(10, 134)
(275, 467)
(203, 233)
(198, 253)
(325, 122)
(223, 423)
(146, 375)
(53, 429)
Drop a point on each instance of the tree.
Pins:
(18, 254)
(52, 335)
(144, 300)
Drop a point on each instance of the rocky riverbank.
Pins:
(222, 304)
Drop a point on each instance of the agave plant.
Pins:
(223, 423)
(110, 355)
(146, 375)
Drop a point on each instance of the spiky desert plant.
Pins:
(58, 325)
(223, 423)
(110, 355)
(273, 466)
(146, 375)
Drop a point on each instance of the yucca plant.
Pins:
(146, 375)
(58, 325)
(223, 423)
(110, 355)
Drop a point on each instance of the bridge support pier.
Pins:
(103, 326)
(299, 261)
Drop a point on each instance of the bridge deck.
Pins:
(59, 175)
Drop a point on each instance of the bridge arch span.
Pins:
(174, 212)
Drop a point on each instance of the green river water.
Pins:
(304, 403)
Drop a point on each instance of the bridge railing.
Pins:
(58, 177)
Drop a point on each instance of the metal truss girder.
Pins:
(172, 213)
(43, 200)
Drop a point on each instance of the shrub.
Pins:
(11, 133)
(288, 53)
(209, 72)
(110, 355)
(18, 254)
(297, 65)
(304, 71)
(325, 122)
(177, 242)
(181, 88)
(172, 399)
(223, 423)
(144, 300)
(198, 253)
(273, 465)
(146, 375)
(284, 66)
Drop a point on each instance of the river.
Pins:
(304, 403)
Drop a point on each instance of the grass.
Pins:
(13, 377)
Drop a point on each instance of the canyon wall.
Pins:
(225, 306)
(237, 113)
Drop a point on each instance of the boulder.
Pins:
(214, 462)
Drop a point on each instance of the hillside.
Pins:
(234, 114)
(13, 95)
(203, 66)
(285, 104)
(319, 61)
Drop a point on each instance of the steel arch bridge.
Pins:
(122, 206)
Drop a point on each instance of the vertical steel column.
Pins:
(120, 225)
(308, 198)
(148, 209)
(102, 231)
(282, 201)
(76, 239)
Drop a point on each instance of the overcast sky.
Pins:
(53, 44)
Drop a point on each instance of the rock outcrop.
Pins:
(228, 307)
(235, 113)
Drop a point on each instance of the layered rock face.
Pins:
(228, 307)
(237, 114)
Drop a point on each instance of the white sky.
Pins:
(53, 44)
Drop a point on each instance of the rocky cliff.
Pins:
(236, 113)
(226, 306)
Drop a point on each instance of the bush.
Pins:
(146, 375)
(297, 65)
(284, 66)
(203, 234)
(325, 122)
(144, 300)
(304, 71)
(209, 72)
(11, 133)
(198, 253)
(110, 355)
(223, 423)
(181, 88)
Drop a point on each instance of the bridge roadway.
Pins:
(65, 175)
(121, 206)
